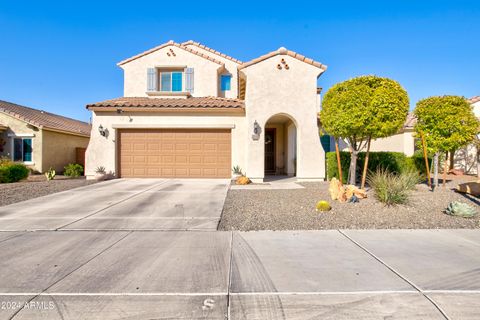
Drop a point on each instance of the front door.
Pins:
(270, 151)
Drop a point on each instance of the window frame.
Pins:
(223, 76)
(170, 72)
(22, 150)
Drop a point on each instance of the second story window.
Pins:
(225, 82)
(171, 81)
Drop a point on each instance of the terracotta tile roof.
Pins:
(170, 103)
(43, 119)
(198, 44)
(170, 43)
(474, 99)
(283, 51)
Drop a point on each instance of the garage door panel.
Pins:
(175, 153)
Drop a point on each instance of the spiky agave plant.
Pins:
(460, 209)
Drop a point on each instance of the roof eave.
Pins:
(170, 110)
(169, 43)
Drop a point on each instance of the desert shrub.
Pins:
(50, 174)
(391, 188)
(5, 161)
(394, 162)
(13, 172)
(73, 170)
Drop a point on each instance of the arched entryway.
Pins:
(280, 153)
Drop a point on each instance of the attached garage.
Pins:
(174, 153)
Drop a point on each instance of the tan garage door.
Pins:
(180, 153)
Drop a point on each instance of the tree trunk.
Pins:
(478, 160)
(435, 170)
(339, 163)
(452, 159)
(425, 156)
(365, 166)
(353, 167)
(445, 169)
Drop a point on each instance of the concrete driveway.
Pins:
(123, 204)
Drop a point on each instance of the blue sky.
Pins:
(59, 56)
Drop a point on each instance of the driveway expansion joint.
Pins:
(433, 302)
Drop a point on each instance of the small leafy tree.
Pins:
(361, 109)
(447, 122)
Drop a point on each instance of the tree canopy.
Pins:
(448, 122)
(361, 109)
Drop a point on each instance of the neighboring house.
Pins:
(191, 111)
(40, 139)
(466, 158)
(403, 141)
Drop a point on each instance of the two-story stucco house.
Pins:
(189, 111)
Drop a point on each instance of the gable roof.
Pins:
(283, 51)
(197, 103)
(200, 45)
(410, 121)
(45, 120)
(474, 99)
(170, 43)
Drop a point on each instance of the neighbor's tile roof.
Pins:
(284, 51)
(43, 119)
(474, 99)
(200, 45)
(192, 102)
(410, 121)
(171, 43)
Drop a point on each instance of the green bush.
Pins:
(73, 170)
(418, 162)
(13, 172)
(391, 188)
(394, 162)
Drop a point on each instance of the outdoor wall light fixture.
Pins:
(102, 131)
(256, 131)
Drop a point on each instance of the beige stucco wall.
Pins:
(205, 71)
(401, 142)
(291, 92)
(230, 68)
(466, 158)
(21, 128)
(59, 149)
(476, 109)
(102, 151)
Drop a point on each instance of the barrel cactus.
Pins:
(460, 209)
(243, 180)
(323, 206)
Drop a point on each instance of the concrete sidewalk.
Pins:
(368, 274)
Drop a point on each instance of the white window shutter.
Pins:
(151, 79)
(189, 80)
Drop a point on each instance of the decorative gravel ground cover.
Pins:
(295, 210)
(37, 186)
